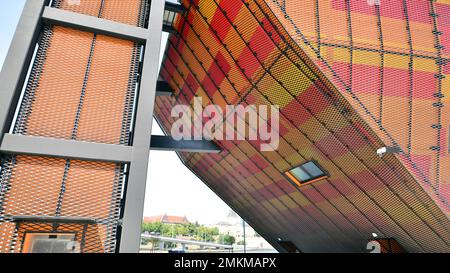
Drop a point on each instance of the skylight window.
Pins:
(306, 173)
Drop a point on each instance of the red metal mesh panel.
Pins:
(60, 67)
(107, 105)
(81, 193)
(88, 7)
(127, 12)
(7, 234)
(21, 197)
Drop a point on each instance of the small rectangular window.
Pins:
(306, 173)
(50, 243)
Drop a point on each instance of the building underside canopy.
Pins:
(350, 77)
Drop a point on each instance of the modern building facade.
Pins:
(350, 77)
(353, 79)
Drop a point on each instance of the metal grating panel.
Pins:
(390, 60)
(86, 235)
(231, 52)
(131, 12)
(82, 87)
(66, 188)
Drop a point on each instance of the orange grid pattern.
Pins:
(82, 87)
(88, 233)
(130, 12)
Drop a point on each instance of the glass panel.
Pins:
(50, 243)
(313, 169)
(300, 174)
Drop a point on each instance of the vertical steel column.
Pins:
(15, 67)
(135, 193)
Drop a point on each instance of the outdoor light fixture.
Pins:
(388, 150)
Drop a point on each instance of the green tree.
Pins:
(194, 231)
(152, 227)
(226, 239)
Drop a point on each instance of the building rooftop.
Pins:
(167, 219)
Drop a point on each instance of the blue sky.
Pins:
(171, 187)
(9, 17)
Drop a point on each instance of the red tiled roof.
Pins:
(167, 219)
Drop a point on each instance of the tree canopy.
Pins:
(193, 231)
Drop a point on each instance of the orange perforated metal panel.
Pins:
(82, 87)
(59, 188)
(82, 232)
(131, 12)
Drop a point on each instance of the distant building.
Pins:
(233, 225)
(167, 219)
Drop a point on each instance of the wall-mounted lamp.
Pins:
(388, 150)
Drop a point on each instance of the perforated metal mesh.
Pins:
(38, 187)
(88, 235)
(82, 87)
(231, 52)
(390, 60)
(131, 12)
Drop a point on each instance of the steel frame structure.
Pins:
(14, 73)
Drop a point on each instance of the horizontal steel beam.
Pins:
(169, 29)
(59, 220)
(167, 143)
(163, 89)
(170, 6)
(83, 22)
(49, 147)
